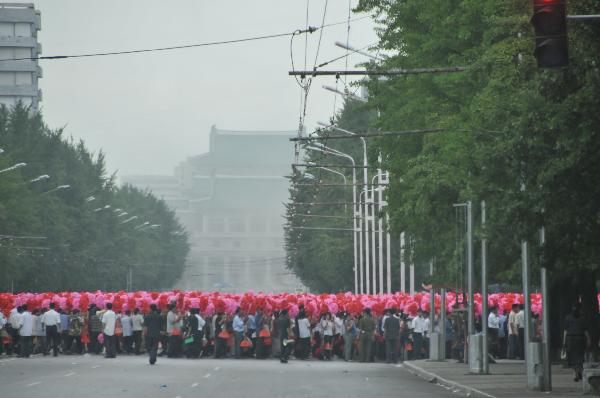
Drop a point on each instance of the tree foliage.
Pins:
(83, 244)
(524, 140)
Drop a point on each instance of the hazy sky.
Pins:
(150, 111)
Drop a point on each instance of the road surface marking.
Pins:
(194, 385)
(69, 374)
(8, 360)
(179, 396)
(206, 376)
(96, 366)
(35, 383)
(217, 368)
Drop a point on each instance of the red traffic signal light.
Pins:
(550, 23)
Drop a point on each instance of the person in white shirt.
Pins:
(327, 325)
(13, 329)
(109, 320)
(25, 331)
(520, 321)
(304, 335)
(137, 325)
(51, 321)
(418, 331)
(493, 324)
(127, 327)
(426, 331)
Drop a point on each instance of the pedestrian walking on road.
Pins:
(152, 327)
(109, 321)
(575, 341)
(366, 325)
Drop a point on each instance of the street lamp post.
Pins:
(13, 167)
(366, 205)
(334, 152)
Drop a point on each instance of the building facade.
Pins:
(19, 26)
(231, 202)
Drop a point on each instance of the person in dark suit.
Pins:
(153, 326)
(391, 334)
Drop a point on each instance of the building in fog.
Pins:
(231, 202)
(19, 25)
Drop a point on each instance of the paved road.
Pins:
(130, 376)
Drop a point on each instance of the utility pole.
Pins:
(470, 274)
(484, 293)
(402, 264)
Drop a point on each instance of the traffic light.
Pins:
(550, 23)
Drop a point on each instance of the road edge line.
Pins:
(432, 377)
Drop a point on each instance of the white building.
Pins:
(231, 202)
(19, 25)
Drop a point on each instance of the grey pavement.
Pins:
(506, 379)
(131, 376)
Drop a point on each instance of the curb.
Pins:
(454, 386)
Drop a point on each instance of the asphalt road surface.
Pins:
(131, 376)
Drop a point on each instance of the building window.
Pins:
(216, 225)
(216, 243)
(237, 244)
(258, 224)
(237, 225)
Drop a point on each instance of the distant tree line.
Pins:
(62, 218)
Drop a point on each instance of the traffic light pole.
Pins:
(584, 17)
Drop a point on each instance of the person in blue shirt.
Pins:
(449, 338)
(502, 335)
(64, 330)
(251, 331)
(238, 332)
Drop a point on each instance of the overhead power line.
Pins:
(310, 29)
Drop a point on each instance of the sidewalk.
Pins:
(506, 379)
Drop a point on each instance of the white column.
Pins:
(388, 256)
(402, 265)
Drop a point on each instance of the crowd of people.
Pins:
(393, 336)
(173, 333)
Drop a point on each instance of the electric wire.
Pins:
(185, 46)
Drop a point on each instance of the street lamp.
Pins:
(142, 225)
(40, 178)
(13, 167)
(58, 188)
(345, 94)
(324, 149)
(129, 219)
(358, 51)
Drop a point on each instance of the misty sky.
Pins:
(150, 111)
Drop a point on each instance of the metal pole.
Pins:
(360, 250)
(402, 265)
(355, 231)
(388, 254)
(484, 293)
(525, 270)
(367, 244)
(470, 307)
(373, 241)
(443, 323)
(547, 385)
(366, 206)
(584, 17)
(380, 226)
